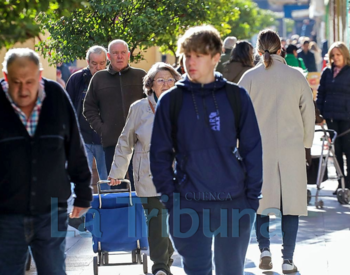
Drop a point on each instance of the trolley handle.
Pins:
(100, 192)
(328, 131)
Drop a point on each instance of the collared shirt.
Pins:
(31, 122)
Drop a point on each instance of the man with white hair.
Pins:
(229, 44)
(77, 86)
(109, 96)
(41, 153)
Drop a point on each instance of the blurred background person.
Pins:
(307, 56)
(64, 70)
(136, 138)
(180, 69)
(293, 60)
(241, 60)
(283, 43)
(333, 101)
(229, 44)
(318, 55)
(59, 79)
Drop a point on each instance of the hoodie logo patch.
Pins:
(214, 120)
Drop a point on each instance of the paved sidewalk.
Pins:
(322, 246)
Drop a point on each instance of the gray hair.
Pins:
(117, 41)
(97, 50)
(149, 77)
(13, 54)
(230, 42)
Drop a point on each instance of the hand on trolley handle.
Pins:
(114, 182)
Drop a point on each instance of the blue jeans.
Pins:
(96, 151)
(290, 224)
(195, 224)
(47, 243)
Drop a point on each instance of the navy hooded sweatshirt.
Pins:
(206, 167)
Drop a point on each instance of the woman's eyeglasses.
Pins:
(162, 80)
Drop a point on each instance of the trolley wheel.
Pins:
(138, 257)
(319, 204)
(95, 266)
(343, 196)
(308, 196)
(105, 258)
(134, 256)
(144, 262)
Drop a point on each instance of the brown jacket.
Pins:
(108, 99)
(233, 71)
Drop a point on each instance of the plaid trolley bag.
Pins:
(117, 223)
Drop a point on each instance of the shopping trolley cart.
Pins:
(117, 223)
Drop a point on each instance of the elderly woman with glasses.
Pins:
(135, 138)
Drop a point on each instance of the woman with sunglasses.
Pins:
(135, 138)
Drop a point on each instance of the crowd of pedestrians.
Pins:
(216, 157)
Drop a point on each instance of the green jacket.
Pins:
(295, 62)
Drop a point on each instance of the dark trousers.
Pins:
(160, 247)
(45, 234)
(290, 224)
(109, 156)
(342, 146)
(195, 224)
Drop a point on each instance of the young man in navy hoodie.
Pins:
(211, 193)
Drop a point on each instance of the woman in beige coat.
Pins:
(135, 138)
(285, 111)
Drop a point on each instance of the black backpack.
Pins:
(233, 95)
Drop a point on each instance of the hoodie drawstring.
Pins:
(204, 105)
(215, 102)
(195, 103)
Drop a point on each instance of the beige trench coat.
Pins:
(136, 137)
(286, 116)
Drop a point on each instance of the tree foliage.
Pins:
(139, 22)
(218, 17)
(240, 18)
(251, 19)
(144, 23)
(18, 17)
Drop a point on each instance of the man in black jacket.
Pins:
(109, 96)
(308, 57)
(77, 86)
(41, 153)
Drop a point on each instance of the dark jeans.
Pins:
(160, 247)
(45, 234)
(109, 155)
(290, 224)
(342, 145)
(194, 226)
